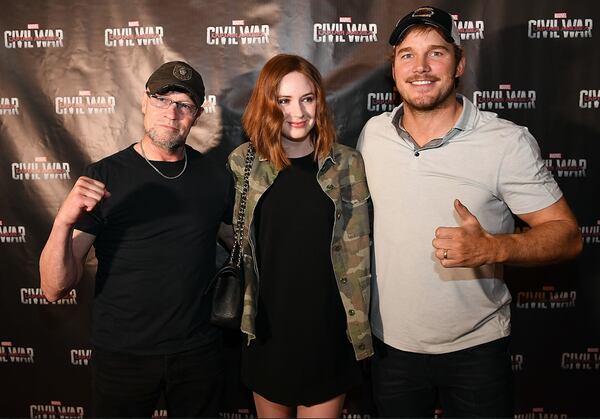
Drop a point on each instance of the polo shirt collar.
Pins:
(465, 121)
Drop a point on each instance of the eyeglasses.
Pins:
(163, 102)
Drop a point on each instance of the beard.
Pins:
(430, 103)
(425, 104)
(167, 142)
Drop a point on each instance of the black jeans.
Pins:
(473, 382)
(128, 385)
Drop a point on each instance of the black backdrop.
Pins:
(71, 80)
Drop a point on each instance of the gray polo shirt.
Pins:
(494, 167)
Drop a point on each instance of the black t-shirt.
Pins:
(301, 355)
(155, 245)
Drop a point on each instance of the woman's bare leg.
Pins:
(329, 409)
(268, 409)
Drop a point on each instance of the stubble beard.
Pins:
(169, 143)
(424, 104)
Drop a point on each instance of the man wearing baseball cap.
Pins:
(152, 212)
(445, 179)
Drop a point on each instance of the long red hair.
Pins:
(263, 118)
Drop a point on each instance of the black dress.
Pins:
(301, 355)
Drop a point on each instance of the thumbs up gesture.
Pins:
(466, 246)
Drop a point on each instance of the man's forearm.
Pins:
(59, 269)
(550, 242)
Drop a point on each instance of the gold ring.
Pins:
(445, 253)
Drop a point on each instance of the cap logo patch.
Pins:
(181, 72)
(423, 12)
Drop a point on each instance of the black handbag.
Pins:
(227, 285)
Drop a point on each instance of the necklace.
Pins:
(156, 168)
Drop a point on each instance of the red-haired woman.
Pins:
(306, 260)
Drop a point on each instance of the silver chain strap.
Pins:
(238, 249)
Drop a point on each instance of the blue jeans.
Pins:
(127, 385)
(473, 382)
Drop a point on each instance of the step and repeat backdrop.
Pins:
(72, 76)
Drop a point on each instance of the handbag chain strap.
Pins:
(237, 251)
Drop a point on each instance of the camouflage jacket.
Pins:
(342, 177)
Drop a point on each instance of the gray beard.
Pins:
(169, 144)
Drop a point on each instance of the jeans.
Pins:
(127, 385)
(473, 382)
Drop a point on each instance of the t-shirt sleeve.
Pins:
(524, 181)
(91, 222)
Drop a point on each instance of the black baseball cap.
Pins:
(427, 15)
(177, 75)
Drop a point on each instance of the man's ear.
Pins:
(460, 68)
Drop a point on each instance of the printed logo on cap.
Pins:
(344, 31)
(133, 35)
(469, 29)
(84, 104)
(238, 33)
(40, 169)
(9, 106)
(562, 166)
(34, 37)
(560, 27)
(504, 98)
(182, 72)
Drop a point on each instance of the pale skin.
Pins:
(63, 257)
(296, 99)
(424, 69)
(329, 409)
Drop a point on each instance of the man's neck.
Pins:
(424, 126)
(156, 153)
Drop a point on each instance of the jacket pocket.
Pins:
(354, 210)
(365, 287)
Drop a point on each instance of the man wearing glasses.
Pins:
(152, 212)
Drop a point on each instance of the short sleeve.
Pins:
(92, 222)
(524, 181)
